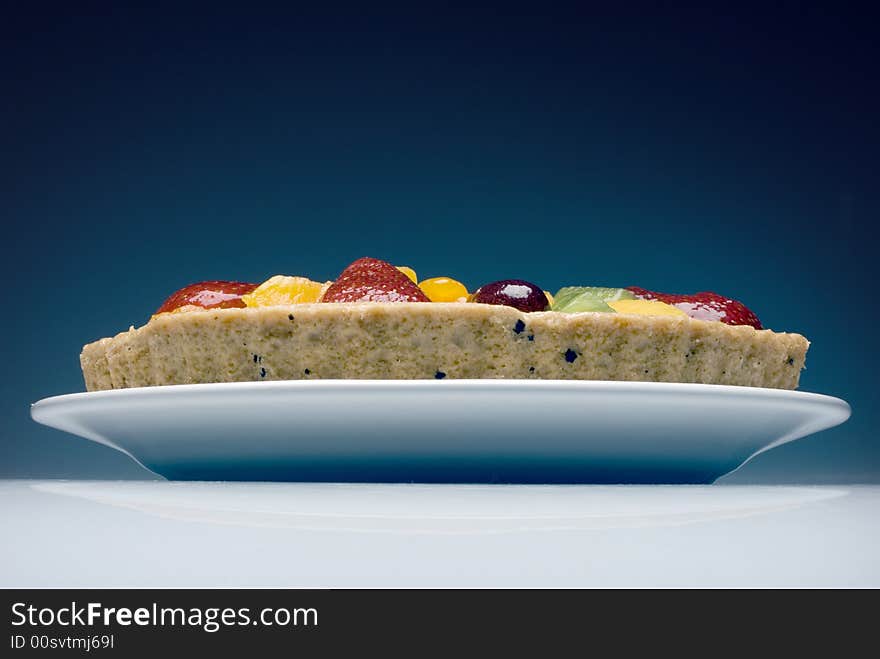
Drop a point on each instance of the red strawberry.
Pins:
(372, 280)
(705, 306)
(209, 294)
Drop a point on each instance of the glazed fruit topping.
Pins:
(209, 295)
(516, 293)
(574, 299)
(646, 308)
(704, 306)
(372, 280)
(280, 290)
(409, 272)
(444, 289)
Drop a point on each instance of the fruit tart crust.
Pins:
(374, 340)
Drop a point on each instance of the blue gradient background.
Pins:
(686, 150)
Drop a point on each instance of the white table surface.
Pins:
(167, 534)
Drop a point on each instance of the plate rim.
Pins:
(612, 386)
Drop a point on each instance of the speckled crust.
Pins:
(437, 340)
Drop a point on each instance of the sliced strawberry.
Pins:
(372, 280)
(209, 295)
(704, 306)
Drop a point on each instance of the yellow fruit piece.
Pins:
(184, 309)
(409, 272)
(444, 289)
(549, 298)
(281, 290)
(646, 308)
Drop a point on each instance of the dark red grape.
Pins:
(516, 293)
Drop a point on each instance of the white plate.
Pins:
(525, 431)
